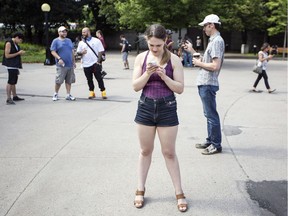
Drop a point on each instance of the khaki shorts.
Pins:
(65, 73)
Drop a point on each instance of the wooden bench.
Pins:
(280, 50)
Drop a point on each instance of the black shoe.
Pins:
(202, 145)
(16, 98)
(103, 74)
(10, 102)
(211, 150)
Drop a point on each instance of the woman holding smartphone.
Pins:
(159, 74)
(263, 58)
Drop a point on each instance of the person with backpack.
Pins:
(124, 51)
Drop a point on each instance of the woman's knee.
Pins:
(146, 152)
(169, 153)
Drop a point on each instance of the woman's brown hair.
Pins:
(158, 31)
(264, 46)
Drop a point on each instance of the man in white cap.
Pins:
(207, 81)
(63, 50)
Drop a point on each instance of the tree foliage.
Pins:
(138, 14)
(239, 15)
(26, 14)
(277, 17)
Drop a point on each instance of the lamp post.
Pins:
(46, 9)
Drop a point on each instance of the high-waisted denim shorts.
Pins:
(160, 112)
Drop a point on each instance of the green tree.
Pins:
(138, 14)
(278, 19)
(240, 15)
(278, 16)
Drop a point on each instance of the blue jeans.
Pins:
(208, 96)
(187, 57)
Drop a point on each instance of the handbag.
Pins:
(257, 68)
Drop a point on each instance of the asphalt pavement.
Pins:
(79, 158)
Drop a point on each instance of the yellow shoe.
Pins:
(104, 94)
(91, 95)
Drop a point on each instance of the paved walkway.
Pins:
(80, 157)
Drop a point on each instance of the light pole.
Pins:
(46, 9)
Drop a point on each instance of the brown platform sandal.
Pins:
(181, 207)
(139, 203)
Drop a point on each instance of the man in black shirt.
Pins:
(12, 61)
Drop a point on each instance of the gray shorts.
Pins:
(65, 73)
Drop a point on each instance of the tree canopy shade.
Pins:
(236, 15)
(29, 11)
(138, 14)
(28, 14)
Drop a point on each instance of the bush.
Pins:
(33, 53)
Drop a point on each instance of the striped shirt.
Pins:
(155, 87)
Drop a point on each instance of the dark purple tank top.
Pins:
(155, 87)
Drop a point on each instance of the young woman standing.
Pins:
(159, 74)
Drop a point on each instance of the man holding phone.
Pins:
(210, 65)
(12, 61)
(91, 50)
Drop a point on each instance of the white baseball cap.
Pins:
(61, 28)
(212, 18)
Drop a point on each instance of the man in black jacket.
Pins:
(12, 61)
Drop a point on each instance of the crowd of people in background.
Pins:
(66, 56)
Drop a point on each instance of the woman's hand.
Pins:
(270, 57)
(150, 69)
(161, 72)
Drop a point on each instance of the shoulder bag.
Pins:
(257, 68)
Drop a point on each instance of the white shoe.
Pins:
(55, 97)
(70, 97)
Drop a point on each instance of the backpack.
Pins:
(128, 47)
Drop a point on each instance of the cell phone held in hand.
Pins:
(152, 63)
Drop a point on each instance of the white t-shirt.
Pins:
(264, 63)
(90, 58)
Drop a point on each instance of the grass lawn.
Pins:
(33, 53)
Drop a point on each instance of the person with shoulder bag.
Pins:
(91, 50)
(263, 58)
